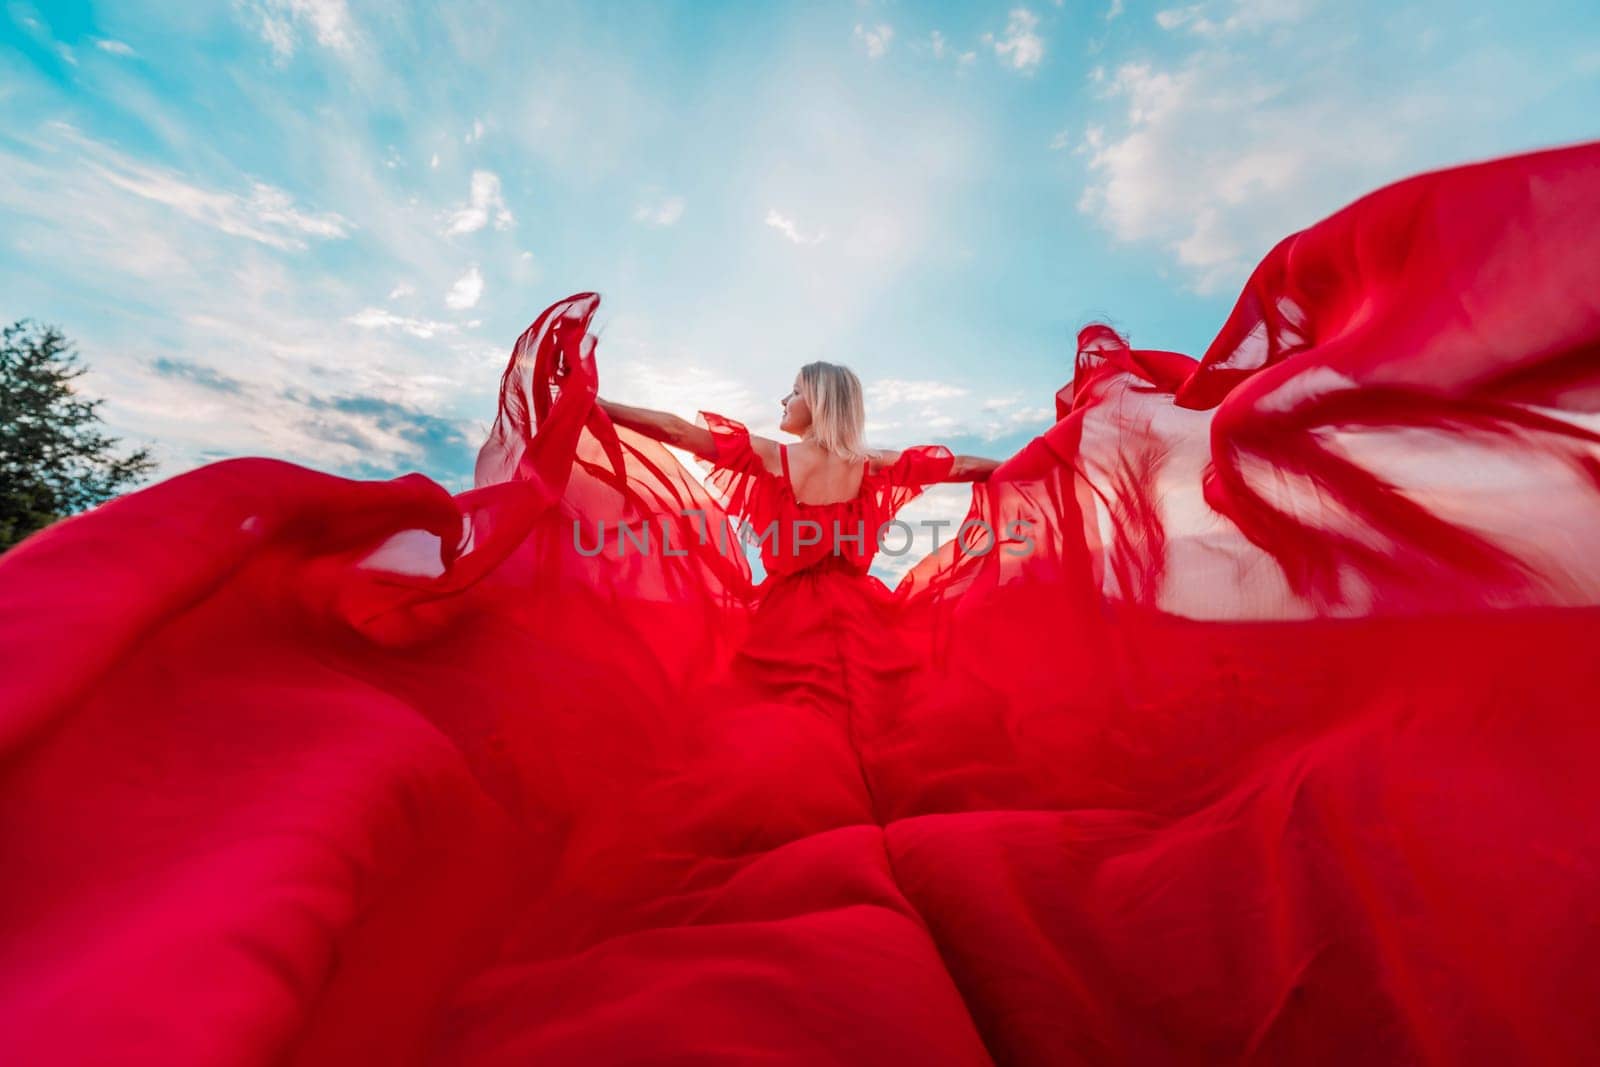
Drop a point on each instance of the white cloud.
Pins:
(917, 410)
(1115, 10)
(875, 39)
(790, 229)
(466, 291)
(1188, 172)
(267, 215)
(1216, 155)
(888, 392)
(386, 405)
(401, 289)
(85, 217)
(116, 48)
(660, 211)
(434, 162)
(941, 48)
(1020, 48)
(484, 202)
(1172, 18)
(475, 134)
(330, 20)
(1233, 16)
(1061, 140)
(68, 218)
(279, 20)
(383, 319)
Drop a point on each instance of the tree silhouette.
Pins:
(54, 461)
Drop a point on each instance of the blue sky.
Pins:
(312, 229)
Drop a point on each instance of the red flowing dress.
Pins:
(1250, 718)
(824, 633)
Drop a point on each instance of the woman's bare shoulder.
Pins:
(767, 449)
(883, 457)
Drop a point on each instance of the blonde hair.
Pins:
(838, 412)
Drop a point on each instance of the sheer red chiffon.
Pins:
(1249, 718)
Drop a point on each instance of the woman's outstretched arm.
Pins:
(965, 468)
(663, 426)
(972, 468)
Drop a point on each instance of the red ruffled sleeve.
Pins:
(737, 478)
(917, 468)
(733, 444)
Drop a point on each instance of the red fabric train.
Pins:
(1276, 743)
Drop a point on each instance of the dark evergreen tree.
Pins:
(54, 461)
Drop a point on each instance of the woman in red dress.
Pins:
(1276, 744)
(824, 631)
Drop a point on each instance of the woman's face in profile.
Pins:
(796, 414)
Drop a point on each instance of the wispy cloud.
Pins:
(893, 391)
(790, 228)
(1214, 157)
(383, 319)
(369, 434)
(1219, 19)
(921, 408)
(941, 48)
(198, 374)
(1020, 47)
(360, 414)
(660, 211)
(266, 214)
(467, 290)
(116, 48)
(281, 23)
(875, 39)
(484, 202)
(372, 435)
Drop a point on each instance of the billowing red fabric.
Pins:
(1249, 718)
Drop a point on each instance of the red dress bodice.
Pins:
(794, 535)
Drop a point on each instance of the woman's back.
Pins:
(791, 498)
(819, 477)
